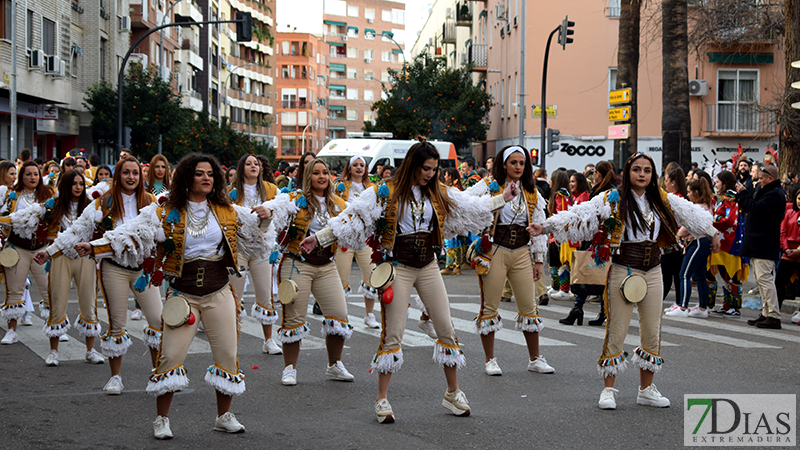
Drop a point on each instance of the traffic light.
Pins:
(552, 139)
(565, 32)
(535, 156)
(244, 27)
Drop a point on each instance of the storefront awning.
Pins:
(336, 44)
(332, 22)
(338, 67)
(337, 87)
(352, 28)
(336, 128)
(336, 107)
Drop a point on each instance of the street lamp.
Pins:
(225, 87)
(304, 139)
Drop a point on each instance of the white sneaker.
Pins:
(608, 398)
(384, 411)
(427, 327)
(492, 368)
(161, 428)
(52, 359)
(650, 396)
(10, 337)
(370, 321)
(337, 371)
(271, 347)
(560, 295)
(540, 365)
(671, 308)
(228, 423)
(456, 402)
(796, 317)
(26, 320)
(114, 385)
(697, 312)
(93, 357)
(63, 338)
(137, 315)
(678, 312)
(289, 377)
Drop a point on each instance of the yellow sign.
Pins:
(6, 78)
(619, 96)
(617, 114)
(552, 111)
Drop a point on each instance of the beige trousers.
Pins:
(538, 284)
(430, 288)
(764, 270)
(261, 276)
(516, 267)
(619, 312)
(218, 313)
(116, 283)
(14, 307)
(344, 262)
(323, 281)
(62, 271)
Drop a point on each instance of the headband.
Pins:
(511, 150)
(354, 158)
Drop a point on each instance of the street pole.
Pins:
(225, 90)
(13, 149)
(522, 80)
(543, 150)
(304, 138)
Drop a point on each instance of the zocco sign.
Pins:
(588, 150)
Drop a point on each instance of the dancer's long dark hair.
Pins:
(407, 174)
(628, 203)
(184, 179)
(499, 170)
(64, 199)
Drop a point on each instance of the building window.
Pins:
(103, 53)
(352, 114)
(5, 19)
(369, 53)
(352, 52)
(352, 94)
(352, 73)
(369, 74)
(368, 95)
(398, 17)
(384, 76)
(386, 56)
(352, 10)
(29, 33)
(367, 116)
(386, 15)
(613, 8)
(369, 14)
(737, 100)
(48, 36)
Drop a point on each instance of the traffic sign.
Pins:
(552, 111)
(616, 114)
(619, 131)
(620, 96)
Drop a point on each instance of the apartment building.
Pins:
(732, 82)
(302, 111)
(146, 15)
(366, 44)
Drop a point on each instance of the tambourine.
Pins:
(633, 288)
(287, 291)
(9, 257)
(177, 312)
(382, 276)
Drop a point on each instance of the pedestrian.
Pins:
(762, 239)
(790, 247)
(674, 183)
(298, 214)
(456, 248)
(158, 176)
(103, 173)
(727, 262)
(628, 228)
(406, 219)
(490, 164)
(61, 213)
(604, 179)
(353, 182)
(695, 259)
(250, 190)
(580, 191)
(20, 216)
(560, 200)
(509, 257)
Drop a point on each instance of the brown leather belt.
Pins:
(638, 255)
(414, 250)
(318, 257)
(201, 277)
(511, 236)
(27, 244)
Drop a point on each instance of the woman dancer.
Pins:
(603, 179)
(727, 261)
(456, 248)
(199, 233)
(790, 247)
(675, 184)
(61, 213)
(250, 190)
(20, 214)
(560, 200)
(118, 275)
(354, 181)
(509, 256)
(299, 214)
(406, 221)
(579, 188)
(629, 227)
(103, 174)
(158, 176)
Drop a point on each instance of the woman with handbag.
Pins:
(250, 190)
(405, 221)
(579, 190)
(604, 179)
(353, 182)
(456, 248)
(628, 228)
(196, 234)
(504, 251)
(560, 200)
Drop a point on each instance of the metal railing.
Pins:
(449, 31)
(294, 104)
(739, 118)
(187, 44)
(478, 55)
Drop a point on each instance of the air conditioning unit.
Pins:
(52, 65)
(140, 58)
(367, 60)
(344, 38)
(37, 59)
(698, 88)
(125, 23)
(448, 13)
(62, 70)
(370, 20)
(500, 12)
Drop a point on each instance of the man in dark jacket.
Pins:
(762, 239)
(743, 174)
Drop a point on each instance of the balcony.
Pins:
(190, 53)
(139, 17)
(463, 14)
(191, 100)
(187, 10)
(449, 31)
(739, 119)
(477, 56)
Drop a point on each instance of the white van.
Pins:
(338, 152)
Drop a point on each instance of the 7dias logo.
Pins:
(739, 420)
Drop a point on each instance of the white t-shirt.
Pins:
(207, 243)
(632, 235)
(407, 223)
(129, 208)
